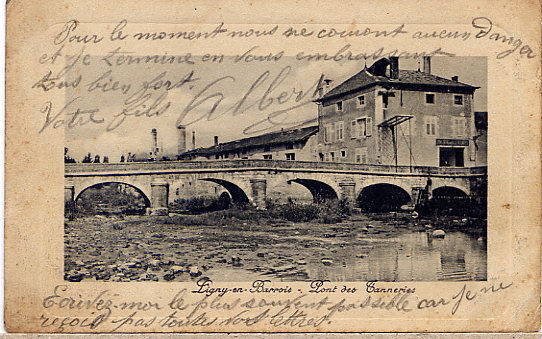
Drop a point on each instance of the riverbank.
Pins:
(250, 245)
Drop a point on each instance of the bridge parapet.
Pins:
(249, 180)
(269, 165)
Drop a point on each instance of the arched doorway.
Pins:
(382, 198)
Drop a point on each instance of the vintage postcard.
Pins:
(310, 166)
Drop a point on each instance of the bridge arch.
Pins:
(451, 199)
(382, 197)
(141, 193)
(320, 191)
(449, 191)
(237, 194)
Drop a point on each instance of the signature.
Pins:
(267, 93)
(273, 95)
(144, 105)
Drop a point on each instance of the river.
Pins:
(362, 248)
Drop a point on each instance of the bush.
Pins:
(331, 212)
(202, 204)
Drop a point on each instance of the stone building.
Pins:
(389, 116)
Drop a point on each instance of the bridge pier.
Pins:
(348, 192)
(259, 192)
(69, 193)
(69, 201)
(159, 199)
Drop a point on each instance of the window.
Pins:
(329, 133)
(385, 100)
(353, 129)
(362, 127)
(458, 100)
(408, 127)
(339, 129)
(343, 153)
(226, 155)
(289, 146)
(340, 106)
(429, 98)
(459, 127)
(268, 156)
(332, 136)
(361, 155)
(290, 156)
(331, 156)
(361, 100)
(431, 125)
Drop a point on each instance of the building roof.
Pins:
(268, 139)
(367, 78)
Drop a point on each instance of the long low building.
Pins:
(291, 144)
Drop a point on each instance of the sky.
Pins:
(224, 85)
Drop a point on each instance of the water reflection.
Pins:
(415, 256)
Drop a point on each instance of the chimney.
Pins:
(193, 139)
(394, 67)
(455, 78)
(181, 146)
(154, 147)
(327, 86)
(216, 140)
(427, 64)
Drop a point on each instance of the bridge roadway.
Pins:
(248, 180)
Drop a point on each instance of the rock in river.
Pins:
(327, 262)
(438, 234)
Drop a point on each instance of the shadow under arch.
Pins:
(453, 201)
(448, 191)
(382, 198)
(321, 192)
(237, 194)
(113, 200)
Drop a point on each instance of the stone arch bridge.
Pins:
(248, 180)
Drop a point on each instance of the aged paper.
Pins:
(272, 166)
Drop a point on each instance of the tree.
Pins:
(67, 158)
(87, 159)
